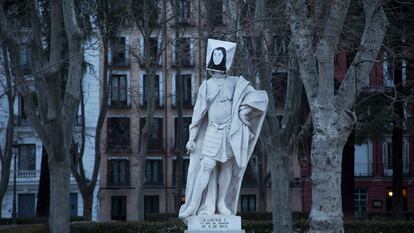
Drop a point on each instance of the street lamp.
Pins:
(14, 212)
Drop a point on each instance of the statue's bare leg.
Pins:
(201, 181)
(224, 180)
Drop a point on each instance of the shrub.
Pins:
(35, 228)
(177, 226)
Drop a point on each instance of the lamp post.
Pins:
(14, 212)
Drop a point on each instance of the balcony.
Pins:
(363, 169)
(118, 180)
(28, 174)
(367, 169)
(21, 122)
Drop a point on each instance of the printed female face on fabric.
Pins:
(218, 60)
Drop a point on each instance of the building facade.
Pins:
(28, 149)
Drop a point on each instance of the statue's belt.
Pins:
(221, 126)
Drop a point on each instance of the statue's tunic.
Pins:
(216, 144)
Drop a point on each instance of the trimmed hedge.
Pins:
(177, 226)
(34, 220)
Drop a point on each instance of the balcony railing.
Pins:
(29, 174)
(363, 169)
(20, 121)
(368, 169)
(118, 180)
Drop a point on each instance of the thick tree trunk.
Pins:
(179, 141)
(397, 149)
(348, 160)
(87, 199)
(43, 196)
(280, 173)
(139, 188)
(261, 182)
(59, 218)
(329, 137)
(326, 214)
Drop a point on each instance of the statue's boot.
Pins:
(222, 209)
(187, 212)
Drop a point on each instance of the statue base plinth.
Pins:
(214, 224)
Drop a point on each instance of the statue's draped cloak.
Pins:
(242, 141)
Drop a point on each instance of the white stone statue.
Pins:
(227, 119)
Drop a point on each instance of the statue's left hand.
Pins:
(243, 115)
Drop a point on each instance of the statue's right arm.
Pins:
(200, 108)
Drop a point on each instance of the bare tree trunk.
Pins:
(261, 160)
(6, 154)
(348, 160)
(87, 206)
(397, 147)
(281, 202)
(179, 140)
(59, 214)
(326, 160)
(43, 195)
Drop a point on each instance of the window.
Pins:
(118, 172)
(183, 55)
(153, 174)
(153, 52)
(151, 204)
(119, 88)
(153, 48)
(186, 163)
(183, 11)
(157, 91)
(26, 154)
(118, 208)
(388, 75)
(73, 204)
(118, 133)
(387, 157)
(185, 131)
(215, 12)
(248, 203)
(155, 142)
(119, 52)
(25, 59)
(279, 87)
(363, 160)
(22, 118)
(360, 202)
(279, 45)
(26, 205)
(187, 88)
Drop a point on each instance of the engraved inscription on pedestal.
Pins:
(214, 223)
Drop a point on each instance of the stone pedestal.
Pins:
(214, 224)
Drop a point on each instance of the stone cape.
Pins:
(214, 224)
(242, 139)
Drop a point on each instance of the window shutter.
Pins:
(161, 89)
(193, 90)
(141, 90)
(174, 90)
